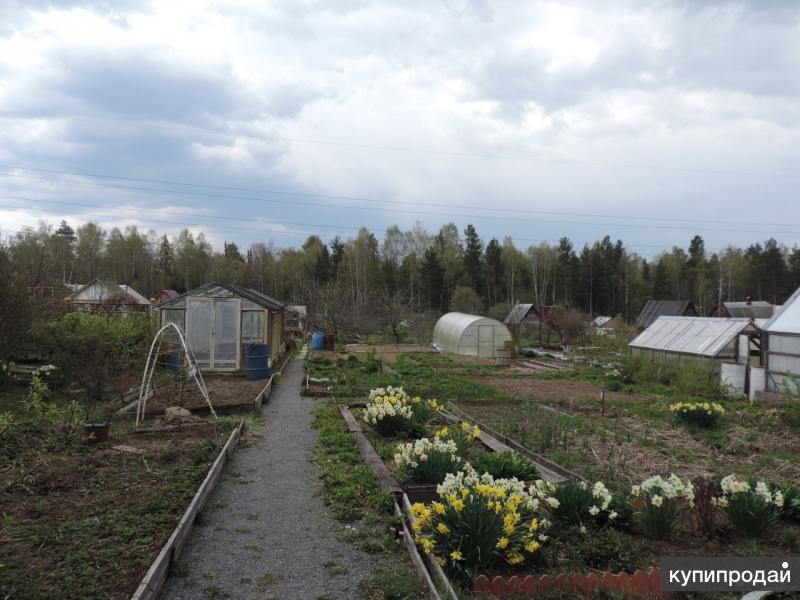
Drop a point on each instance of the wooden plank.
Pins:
(352, 423)
(434, 566)
(156, 575)
(416, 559)
(386, 480)
(263, 393)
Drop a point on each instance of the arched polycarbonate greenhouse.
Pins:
(470, 335)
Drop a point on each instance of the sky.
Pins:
(255, 121)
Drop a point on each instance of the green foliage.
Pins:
(505, 465)
(372, 364)
(604, 549)
(657, 522)
(751, 513)
(393, 584)
(42, 423)
(94, 349)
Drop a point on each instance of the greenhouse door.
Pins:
(486, 341)
(212, 328)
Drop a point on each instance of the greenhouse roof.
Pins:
(699, 336)
(786, 318)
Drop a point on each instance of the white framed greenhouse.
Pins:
(470, 335)
(782, 345)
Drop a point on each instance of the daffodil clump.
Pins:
(574, 502)
(751, 506)
(389, 418)
(702, 414)
(391, 410)
(479, 522)
(660, 503)
(463, 435)
(428, 461)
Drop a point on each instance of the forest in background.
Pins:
(445, 270)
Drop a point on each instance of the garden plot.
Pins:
(86, 521)
(630, 435)
(224, 391)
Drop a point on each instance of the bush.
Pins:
(428, 461)
(392, 411)
(389, 418)
(506, 465)
(92, 350)
(705, 415)
(574, 503)
(372, 364)
(660, 502)
(751, 507)
(480, 522)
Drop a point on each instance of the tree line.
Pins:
(449, 269)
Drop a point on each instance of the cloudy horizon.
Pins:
(646, 121)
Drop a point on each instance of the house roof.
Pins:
(664, 308)
(757, 309)
(247, 293)
(520, 313)
(115, 288)
(170, 294)
(699, 336)
(601, 321)
(787, 317)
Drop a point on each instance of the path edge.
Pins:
(157, 574)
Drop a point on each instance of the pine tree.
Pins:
(432, 281)
(661, 287)
(473, 255)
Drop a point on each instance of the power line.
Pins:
(393, 211)
(355, 198)
(402, 149)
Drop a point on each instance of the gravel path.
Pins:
(267, 534)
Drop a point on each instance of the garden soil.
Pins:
(266, 532)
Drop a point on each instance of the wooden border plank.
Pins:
(259, 401)
(386, 480)
(157, 574)
(416, 559)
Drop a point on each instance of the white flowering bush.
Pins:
(574, 502)
(751, 506)
(660, 502)
(463, 435)
(428, 461)
(391, 411)
(389, 418)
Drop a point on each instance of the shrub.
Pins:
(480, 522)
(660, 502)
(372, 364)
(605, 549)
(751, 507)
(92, 350)
(506, 465)
(574, 502)
(426, 461)
(791, 501)
(463, 436)
(700, 414)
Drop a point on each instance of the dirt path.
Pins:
(266, 533)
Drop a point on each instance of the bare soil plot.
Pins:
(89, 521)
(389, 352)
(223, 390)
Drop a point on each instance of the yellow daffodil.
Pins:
(456, 555)
(502, 543)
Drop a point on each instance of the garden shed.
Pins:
(470, 335)
(782, 344)
(751, 309)
(219, 319)
(664, 308)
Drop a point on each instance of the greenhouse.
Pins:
(470, 335)
(695, 338)
(220, 319)
(782, 346)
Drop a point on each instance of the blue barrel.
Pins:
(173, 363)
(257, 362)
(317, 339)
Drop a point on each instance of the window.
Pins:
(172, 316)
(252, 326)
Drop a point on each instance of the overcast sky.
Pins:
(647, 121)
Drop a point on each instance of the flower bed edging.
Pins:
(640, 584)
(158, 572)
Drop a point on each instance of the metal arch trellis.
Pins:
(147, 377)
